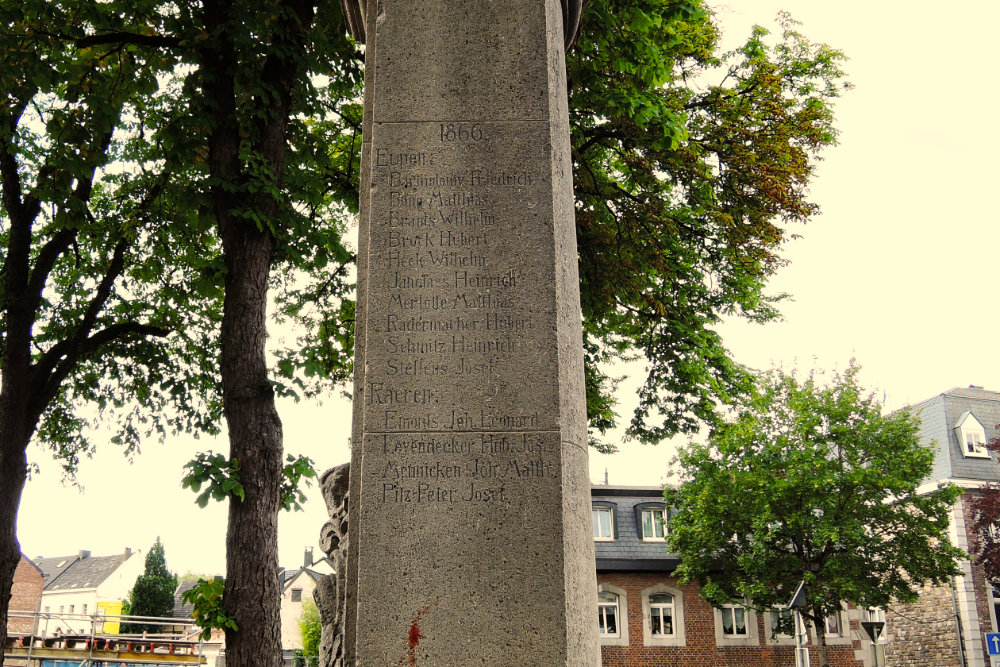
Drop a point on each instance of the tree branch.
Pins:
(70, 348)
(75, 350)
(129, 38)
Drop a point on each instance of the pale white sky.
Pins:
(897, 271)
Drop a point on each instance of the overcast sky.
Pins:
(897, 271)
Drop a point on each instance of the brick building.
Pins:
(646, 617)
(25, 596)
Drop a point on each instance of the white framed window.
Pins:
(612, 612)
(654, 526)
(607, 614)
(835, 627)
(974, 445)
(735, 622)
(832, 625)
(604, 524)
(875, 614)
(72, 608)
(735, 625)
(663, 616)
(780, 625)
(971, 436)
(84, 611)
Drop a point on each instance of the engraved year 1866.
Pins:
(461, 132)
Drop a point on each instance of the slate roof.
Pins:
(86, 572)
(941, 414)
(53, 567)
(291, 575)
(628, 551)
(183, 609)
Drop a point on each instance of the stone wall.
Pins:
(924, 633)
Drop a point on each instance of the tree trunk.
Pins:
(16, 423)
(821, 656)
(252, 596)
(13, 471)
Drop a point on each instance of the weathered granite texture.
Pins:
(469, 492)
(330, 589)
(356, 10)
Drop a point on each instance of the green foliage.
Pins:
(688, 166)
(220, 475)
(221, 478)
(297, 470)
(810, 481)
(209, 613)
(311, 628)
(153, 592)
(104, 301)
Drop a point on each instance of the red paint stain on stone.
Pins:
(414, 636)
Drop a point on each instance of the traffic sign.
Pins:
(799, 597)
(993, 643)
(873, 628)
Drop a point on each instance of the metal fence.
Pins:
(85, 640)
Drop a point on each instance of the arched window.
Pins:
(607, 614)
(612, 615)
(661, 615)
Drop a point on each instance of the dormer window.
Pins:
(972, 436)
(653, 523)
(603, 523)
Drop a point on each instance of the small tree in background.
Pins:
(810, 482)
(311, 629)
(153, 592)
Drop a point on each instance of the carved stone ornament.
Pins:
(355, 11)
(330, 589)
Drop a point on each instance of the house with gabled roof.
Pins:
(83, 586)
(297, 587)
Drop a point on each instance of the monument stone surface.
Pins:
(469, 503)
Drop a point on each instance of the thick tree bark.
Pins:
(821, 653)
(251, 596)
(16, 426)
(13, 472)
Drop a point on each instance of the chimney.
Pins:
(84, 554)
(307, 560)
(128, 551)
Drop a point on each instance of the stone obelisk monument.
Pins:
(469, 539)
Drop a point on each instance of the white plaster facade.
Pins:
(77, 606)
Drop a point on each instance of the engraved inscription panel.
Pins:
(461, 308)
